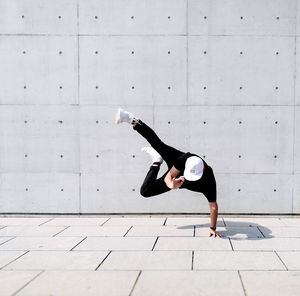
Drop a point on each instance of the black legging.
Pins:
(151, 185)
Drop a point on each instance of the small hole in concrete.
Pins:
(26, 155)
(61, 156)
(169, 122)
(132, 87)
(61, 189)
(97, 155)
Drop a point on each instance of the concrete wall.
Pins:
(214, 77)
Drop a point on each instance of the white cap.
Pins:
(193, 168)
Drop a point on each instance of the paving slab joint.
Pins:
(135, 283)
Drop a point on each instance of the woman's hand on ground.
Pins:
(213, 233)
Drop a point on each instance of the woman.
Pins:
(185, 170)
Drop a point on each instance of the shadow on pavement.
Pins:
(237, 230)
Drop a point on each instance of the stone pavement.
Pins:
(149, 255)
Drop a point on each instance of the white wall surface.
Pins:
(219, 78)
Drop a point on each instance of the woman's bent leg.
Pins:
(168, 153)
(152, 186)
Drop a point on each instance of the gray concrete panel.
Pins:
(240, 139)
(240, 17)
(133, 70)
(297, 141)
(240, 70)
(255, 193)
(132, 17)
(38, 17)
(39, 139)
(38, 70)
(39, 193)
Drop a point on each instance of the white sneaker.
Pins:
(124, 116)
(156, 157)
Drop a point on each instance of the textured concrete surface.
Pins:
(149, 255)
(217, 78)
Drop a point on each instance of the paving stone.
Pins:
(12, 281)
(267, 244)
(275, 283)
(78, 221)
(41, 243)
(251, 221)
(280, 231)
(58, 260)
(148, 260)
(5, 239)
(30, 231)
(191, 283)
(22, 221)
(8, 256)
(192, 243)
(192, 221)
(291, 221)
(95, 231)
(229, 260)
(232, 232)
(79, 283)
(290, 259)
(159, 231)
(135, 221)
(117, 243)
